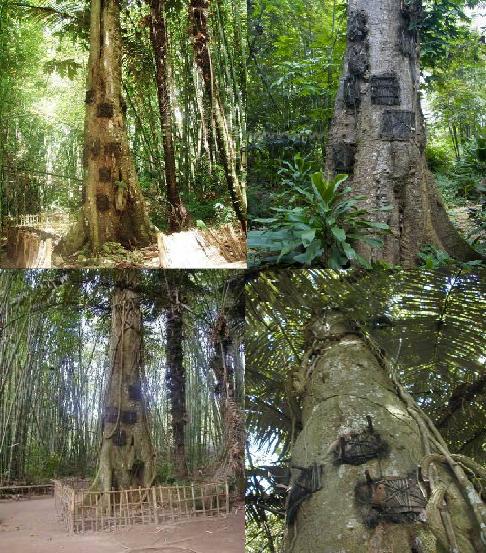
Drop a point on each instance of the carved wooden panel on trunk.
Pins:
(358, 59)
(113, 148)
(343, 157)
(135, 392)
(308, 482)
(111, 414)
(385, 89)
(102, 202)
(105, 109)
(129, 417)
(357, 26)
(104, 174)
(356, 448)
(397, 125)
(90, 96)
(351, 92)
(119, 438)
(392, 499)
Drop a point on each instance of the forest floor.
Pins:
(466, 219)
(31, 526)
(191, 249)
(34, 246)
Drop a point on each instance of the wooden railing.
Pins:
(83, 510)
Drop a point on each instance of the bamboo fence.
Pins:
(25, 491)
(83, 510)
(40, 219)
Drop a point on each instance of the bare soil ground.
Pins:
(31, 526)
(190, 250)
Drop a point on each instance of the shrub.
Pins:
(438, 158)
(320, 225)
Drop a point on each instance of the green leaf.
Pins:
(349, 251)
(312, 252)
(339, 233)
(371, 241)
(382, 226)
(363, 262)
(307, 237)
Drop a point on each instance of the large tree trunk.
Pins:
(176, 376)
(127, 458)
(364, 435)
(378, 137)
(214, 115)
(114, 209)
(158, 37)
(227, 340)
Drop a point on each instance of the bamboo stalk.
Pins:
(127, 514)
(82, 513)
(72, 509)
(193, 498)
(178, 500)
(226, 491)
(154, 499)
(141, 504)
(171, 507)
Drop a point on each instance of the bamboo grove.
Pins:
(54, 350)
(183, 84)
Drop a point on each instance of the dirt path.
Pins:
(31, 526)
(189, 250)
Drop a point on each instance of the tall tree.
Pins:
(114, 209)
(176, 376)
(127, 457)
(160, 46)
(227, 341)
(358, 472)
(213, 109)
(378, 137)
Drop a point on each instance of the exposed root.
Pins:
(436, 451)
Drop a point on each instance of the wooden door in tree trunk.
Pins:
(213, 110)
(176, 376)
(113, 204)
(355, 481)
(158, 36)
(378, 137)
(127, 457)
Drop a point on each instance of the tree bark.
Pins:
(227, 344)
(176, 376)
(378, 137)
(127, 458)
(214, 115)
(344, 388)
(158, 37)
(114, 209)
